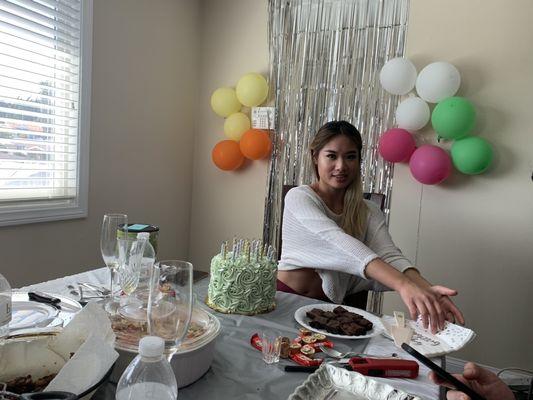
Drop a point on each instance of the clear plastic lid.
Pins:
(203, 329)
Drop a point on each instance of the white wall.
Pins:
(145, 74)
(233, 42)
(475, 233)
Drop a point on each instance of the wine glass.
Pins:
(130, 256)
(111, 225)
(170, 302)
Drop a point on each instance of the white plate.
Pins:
(303, 320)
(29, 314)
(347, 385)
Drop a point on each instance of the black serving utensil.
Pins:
(44, 298)
(49, 396)
(41, 297)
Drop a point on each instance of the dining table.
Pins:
(238, 371)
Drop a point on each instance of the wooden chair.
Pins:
(359, 299)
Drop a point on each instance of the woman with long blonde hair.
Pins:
(335, 243)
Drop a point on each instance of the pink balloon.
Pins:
(430, 164)
(396, 145)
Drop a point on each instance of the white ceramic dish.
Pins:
(194, 357)
(347, 385)
(302, 319)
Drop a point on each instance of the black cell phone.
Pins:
(441, 373)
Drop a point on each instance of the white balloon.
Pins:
(438, 81)
(412, 114)
(398, 76)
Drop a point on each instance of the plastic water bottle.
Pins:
(5, 306)
(149, 376)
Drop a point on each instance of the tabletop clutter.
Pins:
(50, 342)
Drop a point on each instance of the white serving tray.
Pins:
(330, 382)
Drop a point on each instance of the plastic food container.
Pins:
(192, 360)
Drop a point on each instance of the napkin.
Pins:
(452, 338)
(90, 336)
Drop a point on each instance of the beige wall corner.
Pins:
(142, 123)
(476, 233)
(234, 41)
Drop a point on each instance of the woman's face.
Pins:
(338, 162)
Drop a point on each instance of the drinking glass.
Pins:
(270, 346)
(130, 255)
(111, 224)
(170, 302)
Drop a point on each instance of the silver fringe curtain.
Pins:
(325, 58)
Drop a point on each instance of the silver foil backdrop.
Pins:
(325, 58)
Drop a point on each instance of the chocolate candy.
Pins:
(339, 321)
(308, 350)
(285, 347)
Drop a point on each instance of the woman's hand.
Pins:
(482, 381)
(423, 301)
(452, 313)
(443, 294)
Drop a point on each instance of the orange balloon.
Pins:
(255, 144)
(227, 155)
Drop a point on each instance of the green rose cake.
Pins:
(243, 281)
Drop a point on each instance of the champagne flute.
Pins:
(170, 302)
(111, 225)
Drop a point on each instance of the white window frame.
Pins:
(18, 213)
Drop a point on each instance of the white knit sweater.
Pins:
(312, 238)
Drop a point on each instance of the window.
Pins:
(45, 76)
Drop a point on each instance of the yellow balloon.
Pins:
(224, 102)
(252, 89)
(235, 125)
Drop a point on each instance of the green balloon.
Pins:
(472, 155)
(453, 118)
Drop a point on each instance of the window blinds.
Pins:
(39, 99)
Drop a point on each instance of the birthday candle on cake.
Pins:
(234, 250)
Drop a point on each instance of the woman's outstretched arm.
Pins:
(430, 302)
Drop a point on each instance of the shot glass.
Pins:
(271, 346)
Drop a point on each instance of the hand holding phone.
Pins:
(442, 374)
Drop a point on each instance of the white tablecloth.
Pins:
(237, 371)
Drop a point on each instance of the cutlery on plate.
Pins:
(55, 302)
(95, 288)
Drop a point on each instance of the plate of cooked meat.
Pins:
(341, 322)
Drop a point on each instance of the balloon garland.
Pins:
(244, 142)
(452, 118)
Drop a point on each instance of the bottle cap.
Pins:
(151, 346)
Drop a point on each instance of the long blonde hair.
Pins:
(354, 210)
